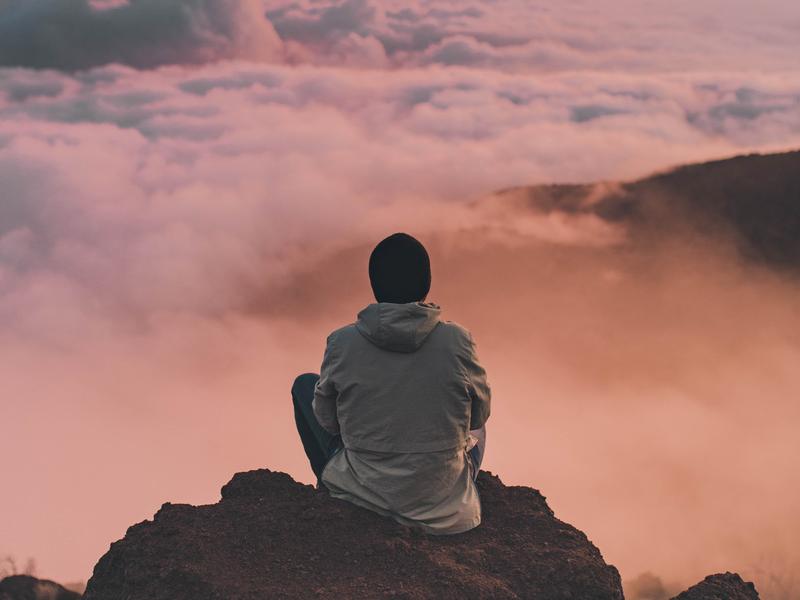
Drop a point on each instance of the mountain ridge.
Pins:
(754, 199)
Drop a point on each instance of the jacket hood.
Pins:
(398, 327)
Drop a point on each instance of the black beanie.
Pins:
(400, 270)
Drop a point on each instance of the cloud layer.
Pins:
(77, 34)
(508, 35)
(197, 180)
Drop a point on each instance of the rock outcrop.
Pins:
(722, 586)
(25, 587)
(271, 537)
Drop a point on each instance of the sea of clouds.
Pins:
(188, 189)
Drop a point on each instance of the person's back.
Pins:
(398, 393)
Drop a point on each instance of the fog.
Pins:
(650, 393)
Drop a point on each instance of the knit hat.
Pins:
(400, 270)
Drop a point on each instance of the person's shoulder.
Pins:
(342, 333)
(456, 331)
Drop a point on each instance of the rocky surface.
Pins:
(722, 586)
(271, 537)
(25, 587)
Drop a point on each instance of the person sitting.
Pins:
(395, 420)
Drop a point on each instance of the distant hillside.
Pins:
(756, 198)
(25, 587)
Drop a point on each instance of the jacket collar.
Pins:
(398, 327)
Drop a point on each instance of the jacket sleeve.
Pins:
(325, 392)
(479, 391)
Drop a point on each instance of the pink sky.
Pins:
(179, 233)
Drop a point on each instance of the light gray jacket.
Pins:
(404, 388)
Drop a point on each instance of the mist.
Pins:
(648, 392)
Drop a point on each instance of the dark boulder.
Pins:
(722, 586)
(25, 587)
(271, 537)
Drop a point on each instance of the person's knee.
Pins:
(303, 386)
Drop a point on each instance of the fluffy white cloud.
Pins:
(523, 36)
(515, 35)
(192, 179)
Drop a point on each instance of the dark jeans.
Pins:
(320, 445)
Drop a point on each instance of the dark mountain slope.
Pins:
(754, 198)
(25, 587)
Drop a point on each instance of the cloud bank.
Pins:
(508, 35)
(197, 181)
(77, 34)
